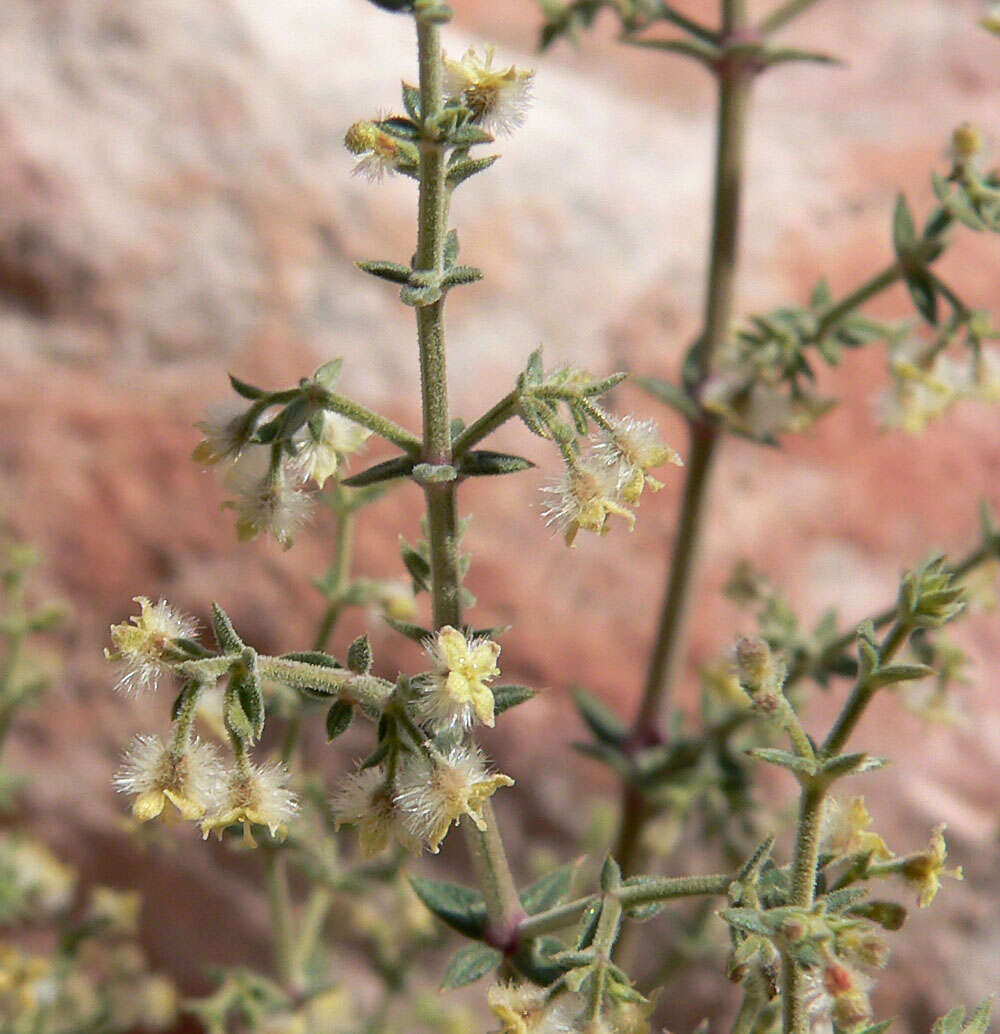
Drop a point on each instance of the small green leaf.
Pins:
(248, 689)
(852, 764)
(391, 271)
(898, 673)
(400, 467)
(463, 170)
(784, 759)
(604, 385)
(904, 233)
(338, 719)
(459, 275)
(399, 127)
(414, 632)
(548, 891)
(922, 290)
(411, 101)
(600, 719)
(781, 55)
(673, 394)
(469, 964)
(317, 657)
(888, 914)
(461, 908)
(359, 655)
(328, 374)
(484, 463)
(248, 391)
(225, 634)
(506, 697)
(467, 135)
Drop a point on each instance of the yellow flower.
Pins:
(845, 830)
(633, 447)
(365, 800)
(191, 781)
(585, 498)
(143, 645)
(458, 692)
(118, 910)
(432, 796)
(321, 456)
(255, 796)
(497, 97)
(923, 871)
(524, 1010)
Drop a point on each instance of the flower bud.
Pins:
(967, 141)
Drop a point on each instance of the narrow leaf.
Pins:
(600, 719)
(338, 719)
(548, 891)
(483, 463)
(400, 467)
(248, 391)
(673, 394)
(391, 271)
(463, 170)
(506, 697)
(225, 633)
(461, 908)
(469, 964)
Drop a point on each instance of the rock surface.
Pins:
(175, 203)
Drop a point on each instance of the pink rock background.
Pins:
(176, 203)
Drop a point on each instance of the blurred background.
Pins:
(176, 203)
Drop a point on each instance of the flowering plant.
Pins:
(804, 934)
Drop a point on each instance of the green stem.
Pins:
(382, 426)
(495, 417)
(341, 578)
(279, 909)
(310, 926)
(645, 893)
(486, 847)
(878, 283)
(784, 14)
(862, 693)
(668, 650)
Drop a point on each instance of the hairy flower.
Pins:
(155, 774)
(923, 871)
(759, 408)
(226, 430)
(633, 447)
(255, 796)
(845, 831)
(498, 98)
(272, 504)
(459, 690)
(379, 154)
(923, 388)
(524, 1010)
(321, 455)
(433, 795)
(143, 645)
(366, 800)
(585, 496)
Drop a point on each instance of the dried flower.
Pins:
(923, 871)
(835, 993)
(459, 692)
(498, 98)
(845, 831)
(156, 774)
(433, 795)
(585, 498)
(321, 455)
(633, 447)
(272, 504)
(254, 795)
(366, 800)
(143, 645)
(227, 431)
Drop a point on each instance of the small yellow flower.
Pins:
(633, 447)
(585, 498)
(255, 796)
(319, 458)
(459, 690)
(845, 830)
(923, 871)
(433, 796)
(378, 153)
(156, 775)
(118, 910)
(524, 1010)
(497, 97)
(365, 800)
(143, 645)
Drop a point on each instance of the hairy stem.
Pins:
(279, 909)
(486, 847)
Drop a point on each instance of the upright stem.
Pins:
(485, 847)
(668, 651)
(279, 907)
